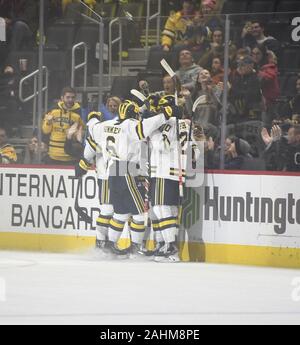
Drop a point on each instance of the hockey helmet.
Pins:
(128, 110)
(166, 101)
(95, 115)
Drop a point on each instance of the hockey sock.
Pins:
(116, 227)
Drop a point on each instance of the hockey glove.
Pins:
(81, 168)
(172, 111)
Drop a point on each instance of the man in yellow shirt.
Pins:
(7, 152)
(56, 124)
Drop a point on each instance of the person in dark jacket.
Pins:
(21, 19)
(254, 34)
(292, 107)
(245, 94)
(283, 151)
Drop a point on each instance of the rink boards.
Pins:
(248, 218)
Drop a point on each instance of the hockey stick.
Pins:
(143, 98)
(147, 185)
(138, 95)
(80, 211)
(172, 74)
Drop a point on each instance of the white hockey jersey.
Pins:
(165, 150)
(120, 141)
(92, 152)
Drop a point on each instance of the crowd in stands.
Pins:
(263, 119)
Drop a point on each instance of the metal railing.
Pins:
(83, 65)
(111, 44)
(35, 93)
(149, 18)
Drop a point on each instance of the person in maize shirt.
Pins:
(7, 152)
(55, 126)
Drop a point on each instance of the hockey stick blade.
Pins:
(80, 211)
(167, 68)
(196, 103)
(138, 95)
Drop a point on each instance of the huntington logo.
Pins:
(2, 30)
(191, 208)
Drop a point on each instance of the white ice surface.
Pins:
(77, 289)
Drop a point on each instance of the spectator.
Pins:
(10, 114)
(245, 94)
(292, 107)
(217, 71)
(32, 151)
(188, 71)
(21, 22)
(196, 37)
(209, 10)
(236, 153)
(110, 110)
(207, 112)
(268, 76)
(177, 24)
(216, 49)
(55, 126)
(283, 151)
(7, 152)
(253, 34)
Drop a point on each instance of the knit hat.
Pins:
(209, 3)
(242, 147)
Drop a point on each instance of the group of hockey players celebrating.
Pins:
(141, 161)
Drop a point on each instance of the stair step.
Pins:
(137, 54)
(137, 63)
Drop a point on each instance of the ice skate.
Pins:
(167, 253)
(120, 254)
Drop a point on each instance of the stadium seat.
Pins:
(235, 6)
(289, 85)
(291, 59)
(284, 7)
(122, 85)
(61, 36)
(288, 6)
(261, 6)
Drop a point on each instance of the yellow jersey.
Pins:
(62, 120)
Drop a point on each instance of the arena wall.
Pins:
(238, 218)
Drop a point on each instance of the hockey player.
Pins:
(167, 165)
(118, 140)
(92, 153)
